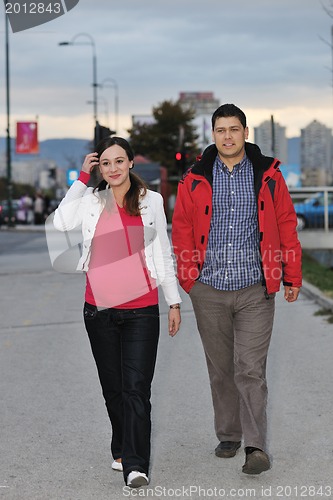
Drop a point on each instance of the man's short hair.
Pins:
(226, 111)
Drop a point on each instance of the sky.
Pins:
(269, 57)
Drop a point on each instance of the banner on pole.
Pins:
(27, 138)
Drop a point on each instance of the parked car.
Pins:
(310, 213)
(4, 215)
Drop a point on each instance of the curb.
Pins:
(24, 228)
(312, 292)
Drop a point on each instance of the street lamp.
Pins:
(8, 145)
(332, 52)
(94, 59)
(106, 107)
(113, 84)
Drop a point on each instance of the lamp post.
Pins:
(106, 107)
(332, 53)
(8, 150)
(114, 85)
(91, 42)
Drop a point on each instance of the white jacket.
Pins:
(82, 207)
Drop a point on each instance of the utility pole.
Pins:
(273, 135)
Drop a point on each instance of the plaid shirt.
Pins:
(232, 258)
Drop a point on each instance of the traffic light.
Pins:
(101, 132)
(180, 157)
(53, 173)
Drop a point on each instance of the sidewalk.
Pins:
(55, 441)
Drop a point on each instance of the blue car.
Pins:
(310, 213)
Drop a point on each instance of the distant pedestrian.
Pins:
(21, 212)
(126, 254)
(26, 204)
(38, 205)
(47, 206)
(234, 235)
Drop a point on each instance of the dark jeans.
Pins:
(124, 345)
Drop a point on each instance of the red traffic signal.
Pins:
(179, 156)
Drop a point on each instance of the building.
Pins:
(276, 144)
(34, 171)
(142, 120)
(316, 155)
(204, 104)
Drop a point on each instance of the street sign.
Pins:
(72, 175)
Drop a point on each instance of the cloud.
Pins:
(259, 54)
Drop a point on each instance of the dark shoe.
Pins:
(227, 449)
(256, 462)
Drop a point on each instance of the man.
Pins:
(234, 236)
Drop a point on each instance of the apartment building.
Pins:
(316, 155)
(272, 140)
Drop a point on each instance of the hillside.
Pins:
(65, 152)
(70, 152)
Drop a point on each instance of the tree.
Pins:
(171, 132)
(18, 189)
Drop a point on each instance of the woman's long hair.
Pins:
(138, 187)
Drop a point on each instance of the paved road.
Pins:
(54, 430)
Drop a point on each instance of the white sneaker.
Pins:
(117, 465)
(135, 479)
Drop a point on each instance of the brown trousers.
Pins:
(235, 329)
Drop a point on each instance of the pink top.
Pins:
(118, 276)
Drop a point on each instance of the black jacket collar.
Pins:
(260, 163)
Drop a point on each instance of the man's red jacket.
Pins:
(279, 245)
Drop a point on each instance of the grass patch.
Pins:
(317, 274)
(321, 277)
(325, 312)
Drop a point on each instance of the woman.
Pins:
(126, 255)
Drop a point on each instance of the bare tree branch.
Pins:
(328, 10)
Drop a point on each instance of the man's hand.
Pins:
(291, 293)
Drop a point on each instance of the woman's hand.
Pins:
(174, 321)
(90, 162)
